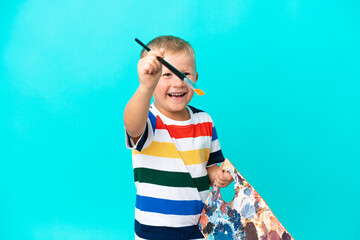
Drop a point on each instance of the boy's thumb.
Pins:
(222, 167)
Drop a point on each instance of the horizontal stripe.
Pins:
(162, 164)
(167, 233)
(216, 157)
(215, 146)
(204, 195)
(168, 150)
(139, 238)
(160, 149)
(171, 193)
(165, 220)
(183, 144)
(195, 119)
(186, 144)
(197, 156)
(162, 135)
(169, 164)
(198, 170)
(170, 179)
(165, 206)
(187, 131)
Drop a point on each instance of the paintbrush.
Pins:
(179, 74)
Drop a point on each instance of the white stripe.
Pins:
(166, 220)
(197, 170)
(204, 195)
(201, 117)
(215, 146)
(138, 238)
(170, 193)
(186, 144)
(196, 118)
(183, 144)
(169, 165)
(159, 163)
(162, 135)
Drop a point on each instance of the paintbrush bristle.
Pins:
(199, 92)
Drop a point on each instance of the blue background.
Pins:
(281, 81)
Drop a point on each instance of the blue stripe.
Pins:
(129, 139)
(214, 134)
(216, 157)
(142, 140)
(153, 121)
(167, 233)
(165, 206)
(195, 110)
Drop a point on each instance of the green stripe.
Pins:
(170, 179)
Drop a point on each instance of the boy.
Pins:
(175, 146)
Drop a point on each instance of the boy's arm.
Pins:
(137, 109)
(218, 176)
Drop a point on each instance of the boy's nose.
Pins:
(177, 82)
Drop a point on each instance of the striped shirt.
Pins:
(170, 161)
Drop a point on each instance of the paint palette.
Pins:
(246, 217)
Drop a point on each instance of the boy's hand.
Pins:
(223, 178)
(149, 69)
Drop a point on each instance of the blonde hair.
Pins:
(170, 44)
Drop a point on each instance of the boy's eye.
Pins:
(166, 74)
(186, 74)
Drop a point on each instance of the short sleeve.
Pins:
(216, 155)
(146, 137)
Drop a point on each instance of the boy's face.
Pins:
(172, 95)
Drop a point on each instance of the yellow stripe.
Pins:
(197, 156)
(168, 150)
(160, 149)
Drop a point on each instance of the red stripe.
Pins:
(191, 130)
(159, 123)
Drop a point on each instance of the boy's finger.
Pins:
(228, 176)
(162, 51)
(156, 53)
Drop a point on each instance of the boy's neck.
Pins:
(177, 116)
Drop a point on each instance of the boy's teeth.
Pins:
(176, 94)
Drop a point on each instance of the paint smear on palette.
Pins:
(246, 217)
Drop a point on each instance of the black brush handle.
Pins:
(165, 63)
(143, 45)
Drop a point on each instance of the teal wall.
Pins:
(281, 81)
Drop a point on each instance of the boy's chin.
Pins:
(177, 108)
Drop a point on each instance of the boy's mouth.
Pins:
(176, 95)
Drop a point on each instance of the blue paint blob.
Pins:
(223, 232)
(235, 218)
(247, 210)
(247, 191)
